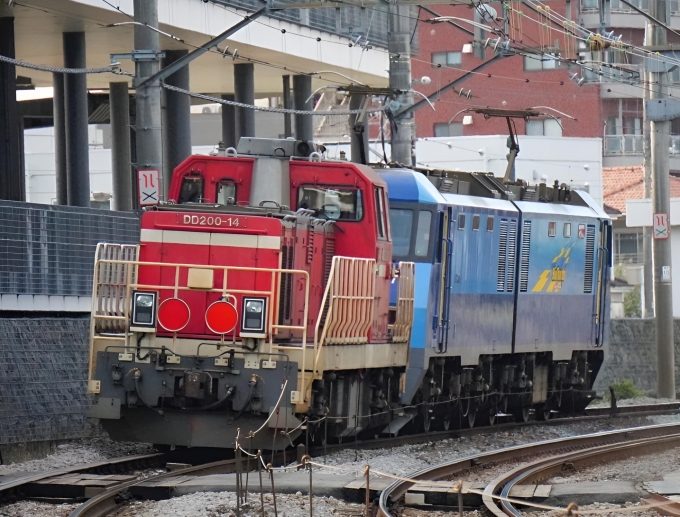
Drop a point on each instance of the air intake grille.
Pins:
(524, 262)
(512, 256)
(590, 259)
(502, 256)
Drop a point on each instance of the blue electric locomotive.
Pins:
(510, 295)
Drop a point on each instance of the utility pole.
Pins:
(648, 271)
(659, 138)
(399, 46)
(147, 61)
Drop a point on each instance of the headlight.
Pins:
(254, 317)
(144, 309)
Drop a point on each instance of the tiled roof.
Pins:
(623, 183)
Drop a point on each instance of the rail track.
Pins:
(575, 451)
(110, 499)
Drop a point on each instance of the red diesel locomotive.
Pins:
(259, 295)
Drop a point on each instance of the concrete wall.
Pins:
(631, 354)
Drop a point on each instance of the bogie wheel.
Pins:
(543, 414)
(522, 415)
(471, 417)
(446, 423)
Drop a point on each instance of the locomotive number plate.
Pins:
(214, 220)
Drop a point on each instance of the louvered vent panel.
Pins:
(590, 259)
(512, 256)
(524, 261)
(502, 256)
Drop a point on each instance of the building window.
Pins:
(628, 248)
(453, 129)
(454, 59)
(536, 63)
(547, 127)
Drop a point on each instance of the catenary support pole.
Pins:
(302, 90)
(149, 142)
(11, 177)
(244, 91)
(75, 108)
(358, 140)
(228, 122)
(660, 138)
(288, 104)
(648, 271)
(177, 118)
(119, 100)
(399, 46)
(59, 138)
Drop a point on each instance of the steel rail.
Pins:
(443, 470)
(541, 470)
(591, 414)
(117, 463)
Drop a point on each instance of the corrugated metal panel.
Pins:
(49, 250)
(590, 259)
(512, 256)
(502, 256)
(524, 261)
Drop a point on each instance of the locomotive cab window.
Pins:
(329, 202)
(380, 213)
(489, 223)
(567, 230)
(552, 229)
(475, 223)
(423, 233)
(192, 189)
(401, 221)
(461, 221)
(226, 193)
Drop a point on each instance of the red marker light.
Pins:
(173, 314)
(221, 317)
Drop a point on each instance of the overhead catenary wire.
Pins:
(271, 110)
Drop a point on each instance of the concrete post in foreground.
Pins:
(287, 104)
(358, 142)
(119, 100)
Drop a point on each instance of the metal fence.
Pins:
(352, 22)
(49, 250)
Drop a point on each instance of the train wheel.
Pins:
(521, 415)
(426, 416)
(543, 414)
(472, 416)
(447, 424)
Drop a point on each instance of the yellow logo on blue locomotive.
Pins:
(551, 279)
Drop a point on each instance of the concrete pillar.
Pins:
(302, 90)
(358, 143)
(75, 109)
(244, 91)
(59, 138)
(176, 118)
(11, 178)
(119, 101)
(228, 122)
(288, 104)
